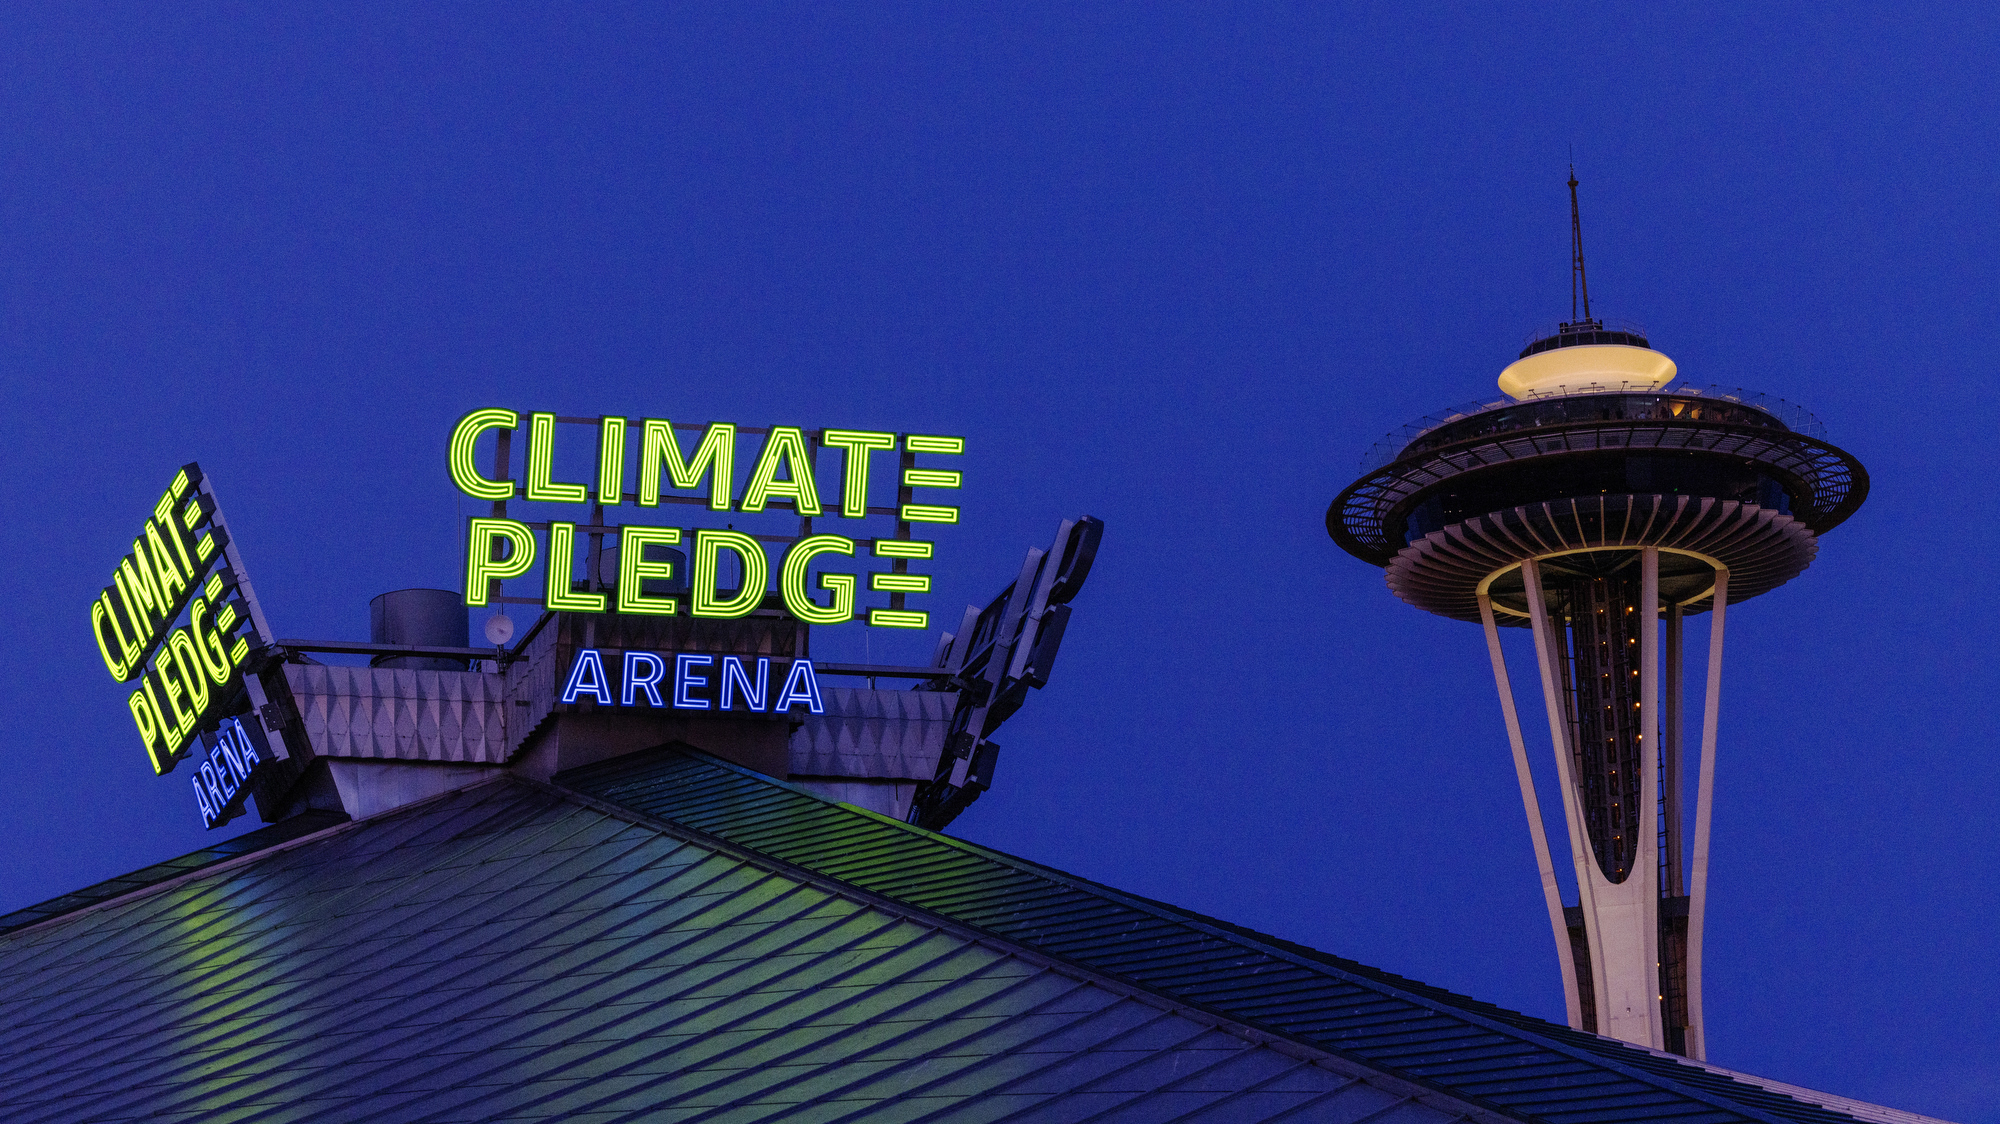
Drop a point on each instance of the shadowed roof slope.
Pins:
(1517, 1065)
(512, 951)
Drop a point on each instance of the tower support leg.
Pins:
(1704, 806)
(1551, 892)
(1673, 844)
(1584, 938)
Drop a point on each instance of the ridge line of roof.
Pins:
(1225, 931)
(1832, 1102)
(227, 863)
(170, 881)
(1409, 1088)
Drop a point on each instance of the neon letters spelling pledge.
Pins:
(172, 619)
(499, 548)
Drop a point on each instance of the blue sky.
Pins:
(1173, 266)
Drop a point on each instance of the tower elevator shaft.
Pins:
(1598, 655)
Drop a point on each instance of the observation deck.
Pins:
(1589, 441)
(1594, 452)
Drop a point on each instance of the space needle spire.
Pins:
(1579, 285)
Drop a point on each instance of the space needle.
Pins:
(1601, 503)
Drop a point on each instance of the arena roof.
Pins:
(667, 936)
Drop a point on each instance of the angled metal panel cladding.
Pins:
(401, 713)
(872, 733)
(507, 952)
(1516, 1064)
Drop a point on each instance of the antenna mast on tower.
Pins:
(1578, 283)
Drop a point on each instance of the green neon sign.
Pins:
(663, 470)
(169, 621)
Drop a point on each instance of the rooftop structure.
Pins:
(430, 714)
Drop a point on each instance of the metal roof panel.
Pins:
(1516, 1064)
(511, 951)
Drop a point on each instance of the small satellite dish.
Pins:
(499, 629)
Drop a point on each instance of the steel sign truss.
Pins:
(997, 654)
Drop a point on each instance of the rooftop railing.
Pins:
(1578, 333)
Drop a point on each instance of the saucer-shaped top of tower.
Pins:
(1595, 453)
(1583, 354)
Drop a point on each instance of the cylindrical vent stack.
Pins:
(426, 618)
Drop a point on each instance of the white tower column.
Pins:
(1618, 991)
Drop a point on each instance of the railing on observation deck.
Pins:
(1791, 415)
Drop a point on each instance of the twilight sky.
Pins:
(1173, 266)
